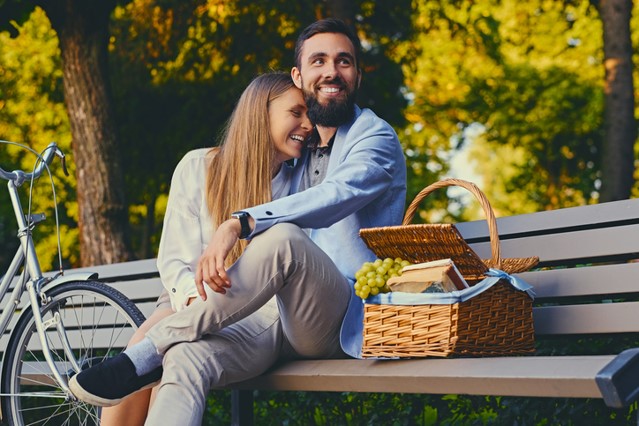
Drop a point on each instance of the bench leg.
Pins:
(241, 407)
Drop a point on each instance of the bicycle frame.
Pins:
(32, 281)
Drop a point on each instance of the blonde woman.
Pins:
(267, 128)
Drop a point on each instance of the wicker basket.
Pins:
(495, 322)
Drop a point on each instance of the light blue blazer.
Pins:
(365, 186)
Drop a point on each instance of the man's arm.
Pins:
(366, 172)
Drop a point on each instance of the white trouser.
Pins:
(287, 299)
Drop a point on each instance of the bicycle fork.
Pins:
(34, 290)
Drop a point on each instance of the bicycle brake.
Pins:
(63, 160)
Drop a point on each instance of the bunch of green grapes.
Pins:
(372, 276)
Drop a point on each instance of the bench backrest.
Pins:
(588, 277)
(586, 283)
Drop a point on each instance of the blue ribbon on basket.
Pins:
(352, 326)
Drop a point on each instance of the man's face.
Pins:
(329, 78)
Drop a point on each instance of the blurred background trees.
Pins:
(534, 101)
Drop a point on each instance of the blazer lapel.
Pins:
(340, 141)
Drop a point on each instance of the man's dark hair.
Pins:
(329, 25)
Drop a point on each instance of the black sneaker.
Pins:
(108, 382)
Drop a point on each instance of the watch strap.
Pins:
(244, 223)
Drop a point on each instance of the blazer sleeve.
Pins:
(366, 163)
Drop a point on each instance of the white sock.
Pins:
(144, 356)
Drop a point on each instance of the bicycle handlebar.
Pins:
(44, 160)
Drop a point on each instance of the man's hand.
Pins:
(210, 266)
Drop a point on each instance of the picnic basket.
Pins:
(496, 322)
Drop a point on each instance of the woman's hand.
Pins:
(210, 266)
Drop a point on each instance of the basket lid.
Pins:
(424, 243)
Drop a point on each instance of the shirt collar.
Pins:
(313, 143)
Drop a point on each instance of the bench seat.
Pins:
(566, 376)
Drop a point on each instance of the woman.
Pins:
(267, 128)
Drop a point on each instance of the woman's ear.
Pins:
(297, 77)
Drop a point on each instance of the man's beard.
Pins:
(333, 114)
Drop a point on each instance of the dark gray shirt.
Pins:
(316, 167)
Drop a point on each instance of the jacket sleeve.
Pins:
(363, 171)
(181, 242)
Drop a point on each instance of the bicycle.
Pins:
(49, 342)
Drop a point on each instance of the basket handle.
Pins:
(479, 195)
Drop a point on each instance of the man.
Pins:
(288, 293)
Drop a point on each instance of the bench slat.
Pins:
(570, 376)
(587, 319)
(596, 280)
(136, 290)
(586, 244)
(123, 270)
(556, 220)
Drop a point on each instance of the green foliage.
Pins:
(367, 409)
(529, 75)
(553, 119)
(32, 113)
(383, 28)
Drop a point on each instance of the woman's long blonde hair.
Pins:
(241, 170)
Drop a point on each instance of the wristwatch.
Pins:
(244, 223)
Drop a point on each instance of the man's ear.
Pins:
(359, 77)
(297, 77)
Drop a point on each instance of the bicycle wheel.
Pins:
(98, 320)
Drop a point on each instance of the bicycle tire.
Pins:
(37, 399)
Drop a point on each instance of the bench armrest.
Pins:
(618, 382)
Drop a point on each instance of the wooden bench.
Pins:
(587, 284)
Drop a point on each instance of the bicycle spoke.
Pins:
(52, 395)
(56, 413)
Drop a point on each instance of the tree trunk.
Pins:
(82, 28)
(620, 128)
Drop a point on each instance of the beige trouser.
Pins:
(287, 300)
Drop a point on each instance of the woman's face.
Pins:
(290, 125)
